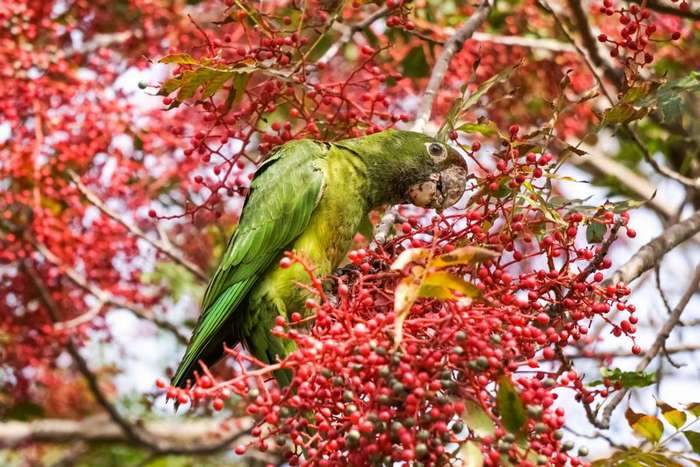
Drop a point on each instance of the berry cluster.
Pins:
(636, 26)
(365, 392)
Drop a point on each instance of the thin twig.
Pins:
(662, 169)
(648, 255)
(133, 432)
(136, 231)
(591, 43)
(350, 31)
(106, 297)
(452, 46)
(669, 9)
(658, 344)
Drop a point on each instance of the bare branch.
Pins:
(667, 8)
(176, 436)
(662, 169)
(349, 31)
(132, 432)
(452, 46)
(529, 42)
(664, 332)
(602, 165)
(652, 252)
(591, 43)
(106, 297)
(381, 232)
(135, 230)
(626, 354)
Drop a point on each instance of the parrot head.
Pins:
(441, 179)
(410, 167)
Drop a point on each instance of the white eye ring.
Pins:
(436, 150)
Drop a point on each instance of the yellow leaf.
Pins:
(471, 455)
(463, 256)
(445, 280)
(409, 256)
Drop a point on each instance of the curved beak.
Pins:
(451, 186)
(441, 190)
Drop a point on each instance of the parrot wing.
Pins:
(285, 191)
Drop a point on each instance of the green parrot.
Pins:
(310, 197)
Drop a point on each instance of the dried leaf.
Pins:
(463, 256)
(411, 255)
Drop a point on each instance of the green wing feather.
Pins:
(284, 193)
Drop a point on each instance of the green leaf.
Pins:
(646, 426)
(693, 438)
(628, 379)
(180, 59)
(668, 96)
(623, 112)
(477, 420)
(500, 77)
(414, 64)
(672, 415)
(595, 232)
(487, 128)
(471, 455)
(510, 406)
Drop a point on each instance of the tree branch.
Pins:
(591, 43)
(648, 255)
(106, 297)
(452, 46)
(669, 9)
(659, 342)
(176, 436)
(350, 31)
(136, 231)
(640, 186)
(133, 432)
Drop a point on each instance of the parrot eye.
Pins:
(436, 150)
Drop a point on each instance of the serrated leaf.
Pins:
(477, 420)
(510, 407)
(471, 455)
(646, 426)
(180, 59)
(672, 415)
(693, 438)
(595, 232)
(414, 64)
(439, 284)
(628, 379)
